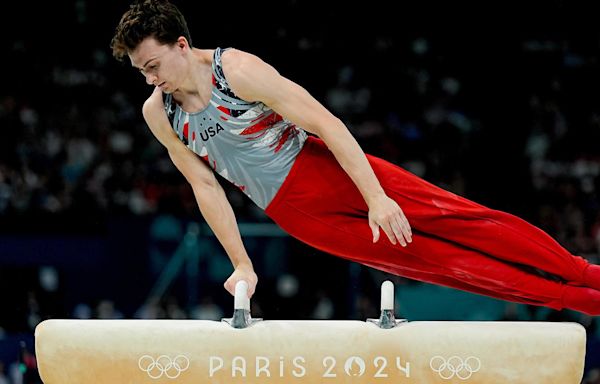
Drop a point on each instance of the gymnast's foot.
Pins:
(582, 299)
(591, 276)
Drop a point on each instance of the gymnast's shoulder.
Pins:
(156, 118)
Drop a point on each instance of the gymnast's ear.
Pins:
(182, 43)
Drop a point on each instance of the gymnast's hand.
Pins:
(242, 272)
(387, 214)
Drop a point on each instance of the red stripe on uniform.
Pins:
(267, 122)
(226, 111)
(284, 137)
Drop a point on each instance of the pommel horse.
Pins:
(246, 350)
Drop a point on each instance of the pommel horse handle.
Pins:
(387, 318)
(241, 300)
(387, 295)
(241, 308)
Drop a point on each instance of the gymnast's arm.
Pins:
(254, 80)
(211, 199)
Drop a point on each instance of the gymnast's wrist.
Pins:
(244, 265)
(375, 196)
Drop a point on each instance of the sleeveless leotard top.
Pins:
(247, 143)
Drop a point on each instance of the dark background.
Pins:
(498, 103)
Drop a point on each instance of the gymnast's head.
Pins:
(158, 19)
(155, 37)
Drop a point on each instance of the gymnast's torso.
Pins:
(247, 143)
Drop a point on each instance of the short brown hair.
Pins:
(148, 18)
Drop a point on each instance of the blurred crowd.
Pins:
(510, 120)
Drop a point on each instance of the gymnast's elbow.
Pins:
(195, 171)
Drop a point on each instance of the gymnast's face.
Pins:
(163, 65)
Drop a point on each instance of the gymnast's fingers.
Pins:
(403, 224)
(387, 228)
(398, 232)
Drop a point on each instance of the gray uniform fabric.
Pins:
(248, 144)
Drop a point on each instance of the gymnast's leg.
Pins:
(455, 266)
(492, 232)
(309, 209)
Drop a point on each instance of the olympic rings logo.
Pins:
(164, 365)
(455, 366)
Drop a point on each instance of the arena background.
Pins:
(499, 103)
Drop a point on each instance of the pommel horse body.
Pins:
(250, 351)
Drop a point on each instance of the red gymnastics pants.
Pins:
(456, 242)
